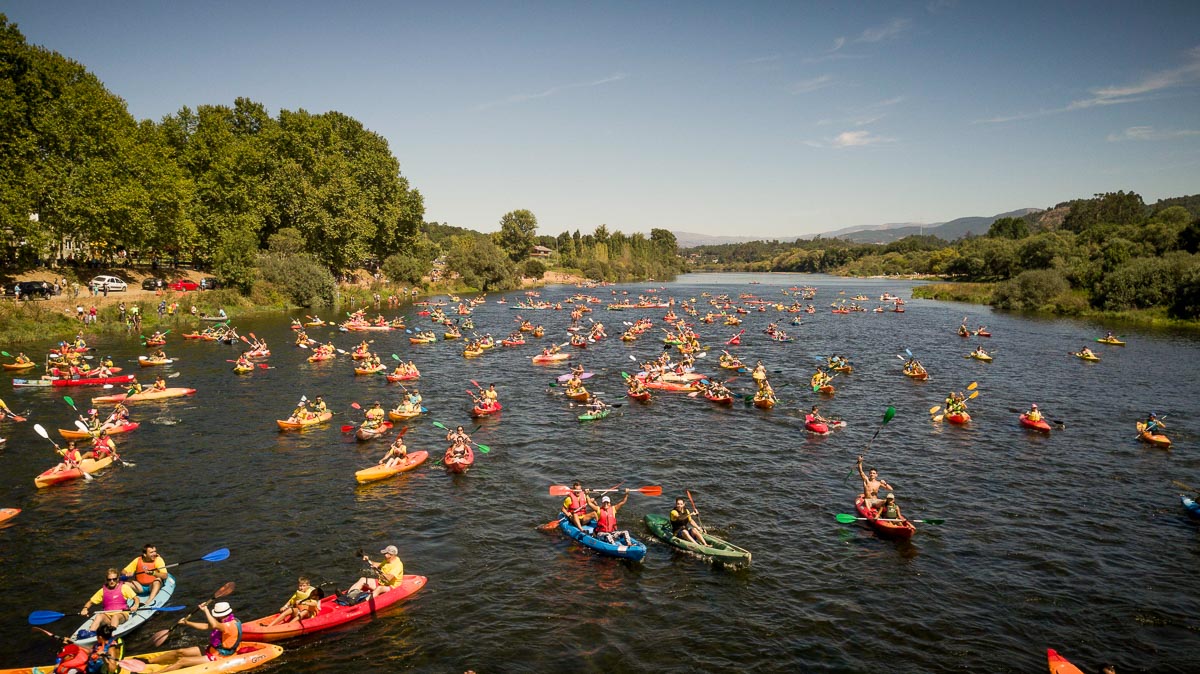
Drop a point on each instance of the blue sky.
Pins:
(765, 119)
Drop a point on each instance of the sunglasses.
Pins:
(112, 580)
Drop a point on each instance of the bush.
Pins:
(1186, 303)
(300, 277)
(533, 269)
(1143, 282)
(402, 268)
(1031, 290)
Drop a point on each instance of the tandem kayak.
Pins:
(381, 472)
(1192, 507)
(330, 613)
(74, 381)
(146, 361)
(458, 464)
(717, 549)
(161, 599)
(642, 397)
(478, 411)
(147, 394)
(902, 529)
(1039, 425)
(593, 416)
(370, 370)
(397, 415)
(584, 536)
(550, 358)
(363, 433)
(1059, 664)
(285, 425)
(959, 418)
(52, 477)
(919, 375)
(112, 430)
(720, 400)
(403, 377)
(1156, 439)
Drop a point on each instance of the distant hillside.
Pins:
(691, 239)
(948, 231)
(873, 228)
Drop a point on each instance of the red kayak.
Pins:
(458, 465)
(1039, 425)
(330, 613)
(644, 396)
(493, 408)
(821, 428)
(720, 400)
(958, 418)
(403, 377)
(902, 529)
(364, 433)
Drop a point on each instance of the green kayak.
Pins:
(590, 416)
(718, 549)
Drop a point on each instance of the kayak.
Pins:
(151, 343)
(1087, 357)
(360, 355)
(318, 357)
(146, 361)
(50, 477)
(469, 353)
(422, 340)
(981, 356)
(79, 381)
(403, 377)
(259, 353)
(451, 335)
(823, 428)
(642, 397)
(112, 430)
(1039, 425)
(1156, 439)
(826, 389)
(403, 416)
(1059, 664)
(902, 529)
(370, 370)
(163, 598)
(461, 464)
(364, 433)
(550, 358)
(717, 549)
(1192, 507)
(7, 514)
(18, 366)
(321, 418)
(765, 403)
(380, 472)
(581, 394)
(330, 613)
(147, 394)
(982, 333)
(567, 377)
(314, 324)
(731, 366)
(512, 342)
(1114, 341)
(593, 416)
(958, 418)
(919, 375)
(584, 536)
(669, 386)
(720, 400)
(242, 369)
(478, 411)
(845, 369)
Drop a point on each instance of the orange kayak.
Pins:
(379, 472)
(112, 430)
(145, 395)
(52, 477)
(7, 514)
(1059, 664)
(18, 366)
(298, 425)
(1156, 439)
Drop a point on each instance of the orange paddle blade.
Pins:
(559, 490)
(650, 491)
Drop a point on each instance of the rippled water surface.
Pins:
(1075, 541)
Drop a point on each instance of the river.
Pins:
(1075, 540)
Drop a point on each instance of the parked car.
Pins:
(29, 289)
(184, 284)
(210, 283)
(153, 283)
(113, 283)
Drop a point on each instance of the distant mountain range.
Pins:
(886, 233)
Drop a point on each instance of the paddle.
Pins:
(482, 448)
(47, 617)
(694, 509)
(850, 519)
(888, 414)
(1181, 485)
(563, 490)
(225, 590)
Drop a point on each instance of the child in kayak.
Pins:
(302, 605)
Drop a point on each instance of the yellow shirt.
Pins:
(132, 567)
(126, 591)
(393, 568)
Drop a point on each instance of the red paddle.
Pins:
(563, 490)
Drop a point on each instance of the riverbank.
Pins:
(984, 293)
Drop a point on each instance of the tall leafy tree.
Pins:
(517, 233)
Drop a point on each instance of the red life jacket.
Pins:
(144, 574)
(606, 521)
(578, 503)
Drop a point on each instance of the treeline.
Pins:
(82, 180)
(620, 257)
(1111, 253)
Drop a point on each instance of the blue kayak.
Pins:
(1193, 508)
(135, 620)
(633, 552)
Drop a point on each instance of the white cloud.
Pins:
(807, 86)
(837, 44)
(762, 59)
(1186, 75)
(1150, 133)
(859, 138)
(521, 98)
(888, 30)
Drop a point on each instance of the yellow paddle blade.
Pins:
(973, 395)
(937, 418)
(934, 409)
(972, 386)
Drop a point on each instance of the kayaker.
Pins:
(492, 397)
(458, 435)
(979, 352)
(1152, 424)
(22, 359)
(414, 399)
(576, 503)
(595, 405)
(223, 639)
(683, 526)
(146, 570)
(871, 485)
(388, 573)
(158, 355)
(303, 604)
(636, 387)
(1033, 414)
(243, 362)
(1086, 352)
(759, 374)
(71, 457)
(814, 415)
(577, 370)
(606, 520)
(374, 416)
(115, 599)
(318, 406)
(105, 653)
(395, 454)
(93, 419)
(889, 510)
(160, 384)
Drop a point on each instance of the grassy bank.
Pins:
(976, 293)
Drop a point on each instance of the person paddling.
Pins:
(871, 485)
(606, 520)
(396, 453)
(1034, 414)
(302, 605)
(389, 573)
(223, 640)
(684, 526)
(115, 600)
(147, 570)
(576, 504)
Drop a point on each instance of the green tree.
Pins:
(286, 241)
(1009, 228)
(305, 281)
(517, 231)
(481, 263)
(533, 268)
(406, 268)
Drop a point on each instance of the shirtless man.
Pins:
(872, 485)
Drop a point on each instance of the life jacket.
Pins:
(578, 504)
(225, 639)
(95, 659)
(113, 599)
(143, 574)
(888, 512)
(71, 658)
(606, 521)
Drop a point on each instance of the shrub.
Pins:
(300, 277)
(534, 269)
(402, 268)
(1031, 290)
